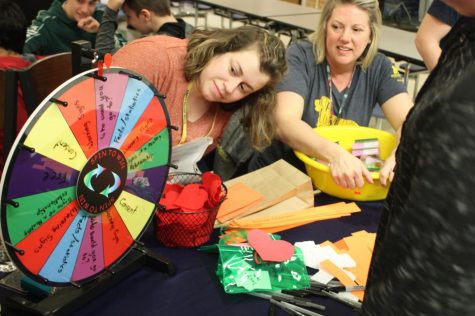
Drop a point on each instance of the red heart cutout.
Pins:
(269, 249)
(169, 196)
(108, 60)
(172, 187)
(192, 197)
(168, 200)
(212, 183)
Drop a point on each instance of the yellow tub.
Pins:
(345, 136)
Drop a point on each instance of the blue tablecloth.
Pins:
(195, 288)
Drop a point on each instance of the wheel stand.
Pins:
(64, 300)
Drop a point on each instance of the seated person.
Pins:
(12, 37)
(437, 22)
(214, 69)
(53, 30)
(145, 16)
(336, 79)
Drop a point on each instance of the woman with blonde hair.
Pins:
(211, 74)
(337, 78)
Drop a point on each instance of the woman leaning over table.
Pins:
(336, 79)
(212, 69)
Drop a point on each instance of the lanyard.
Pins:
(345, 95)
(184, 116)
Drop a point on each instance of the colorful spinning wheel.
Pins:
(86, 173)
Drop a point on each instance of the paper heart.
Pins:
(108, 60)
(170, 195)
(192, 197)
(172, 187)
(212, 183)
(269, 249)
(168, 200)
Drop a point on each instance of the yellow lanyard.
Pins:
(184, 115)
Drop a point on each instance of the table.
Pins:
(195, 288)
(399, 44)
(394, 42)
(260, 9)
(306, 22)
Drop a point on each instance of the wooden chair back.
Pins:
(8, 107)
(43, 76)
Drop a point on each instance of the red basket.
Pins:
(175, 228)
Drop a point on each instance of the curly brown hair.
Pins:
(259, 106)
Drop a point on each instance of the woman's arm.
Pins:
(395, 109)
(347, 170)
(428, 37)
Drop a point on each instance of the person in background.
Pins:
(53, 30)
(336, 79)
(12, 37)
(425, 247)
(435, 25)
(211, 70)
(145, 16)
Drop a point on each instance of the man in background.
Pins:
(65, 21)
(145, 16)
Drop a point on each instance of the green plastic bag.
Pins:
(239, 272)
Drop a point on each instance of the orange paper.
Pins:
(275, 221)
(239, 199)
(358, 246)
(338, 273)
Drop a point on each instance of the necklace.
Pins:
(345, 95)
(184, 116)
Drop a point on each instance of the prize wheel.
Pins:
(84, 176)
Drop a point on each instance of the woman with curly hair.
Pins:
(211, 74)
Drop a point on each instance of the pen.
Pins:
(271, 311)
(355, 305)
(295, 308)
(286, 309)
(297, 293)
(296, 301)
(289, 299)
(350, 288)
(329, 284)
(335, 287)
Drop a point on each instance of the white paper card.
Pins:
(187, 155)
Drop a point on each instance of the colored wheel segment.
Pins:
(84, 177)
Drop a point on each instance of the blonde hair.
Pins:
(259, 106)
(374, 14)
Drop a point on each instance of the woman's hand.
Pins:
(386, 174)
(349, 171)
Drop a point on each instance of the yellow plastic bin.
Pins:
(346, 136)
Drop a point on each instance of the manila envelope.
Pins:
(277, 182)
